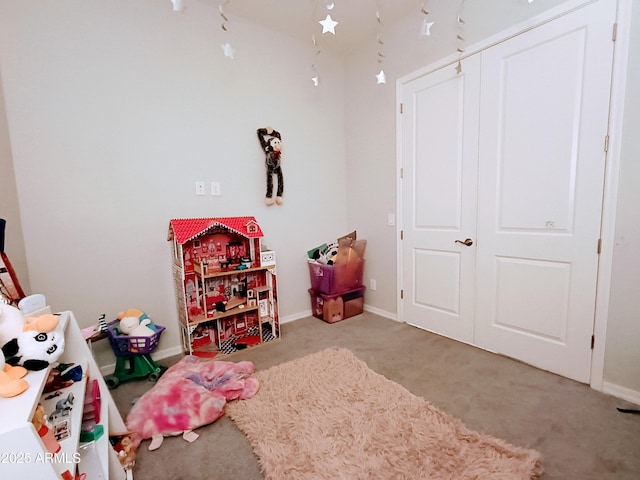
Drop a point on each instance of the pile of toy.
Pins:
(335, 271)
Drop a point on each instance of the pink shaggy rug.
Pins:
(328, 416)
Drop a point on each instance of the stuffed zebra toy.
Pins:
(271, 142)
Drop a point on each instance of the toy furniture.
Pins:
(225, 284)
(30, 453)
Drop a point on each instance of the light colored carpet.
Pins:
(328, 416)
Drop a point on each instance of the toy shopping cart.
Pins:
(133, 356)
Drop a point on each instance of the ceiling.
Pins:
(299, 19)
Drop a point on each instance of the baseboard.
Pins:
(295, 316)
(382, 313)
(170, 352)
(157, 355)
(367, 308)
(624, 393)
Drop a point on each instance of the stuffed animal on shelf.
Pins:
(35, 350)
(136, 323)
(32, 342)
(271, 143)
(12, 382)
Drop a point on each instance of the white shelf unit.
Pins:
(22, 452)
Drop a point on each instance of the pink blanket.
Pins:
(190, 394)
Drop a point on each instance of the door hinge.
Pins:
(401, 294)
(599, 246)
(401, 108)
(401, 234)
(614, 35)
(593, 341)
(606, 143)
(401, 172)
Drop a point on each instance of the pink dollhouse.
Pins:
(225, 284)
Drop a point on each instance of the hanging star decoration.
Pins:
(328, 25)
(426, 24)
(229, 52)
(381, 78)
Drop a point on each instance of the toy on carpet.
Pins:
(271, 142)
(33, 342)
(125, 451)
(190, 394)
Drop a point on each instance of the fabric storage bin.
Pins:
(336, 279)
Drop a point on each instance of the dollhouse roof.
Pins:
(185, 229)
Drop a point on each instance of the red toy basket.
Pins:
(126, 345)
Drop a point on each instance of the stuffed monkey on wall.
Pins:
(271, 143)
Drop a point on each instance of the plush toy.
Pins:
(35, 350)
(11, 379)
(325, 253)
(32, 342)
(189, 394)
(271, 142)
(136, 323)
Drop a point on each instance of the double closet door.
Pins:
(503, 172)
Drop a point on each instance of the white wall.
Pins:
(9, 208)
(115, 109)
(371, 154)
(622, 365)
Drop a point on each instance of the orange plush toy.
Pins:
(12, 382)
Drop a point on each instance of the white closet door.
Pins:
(440, 152)
(543, 122)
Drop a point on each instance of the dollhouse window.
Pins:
(252, 227)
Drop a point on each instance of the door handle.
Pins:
(467, 241)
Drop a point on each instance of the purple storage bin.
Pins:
(336, 279)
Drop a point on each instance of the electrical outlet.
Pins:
(372, 284)
(200, 188)
(215, 188)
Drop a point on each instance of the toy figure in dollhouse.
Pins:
(235, 251)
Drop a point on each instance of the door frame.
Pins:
(610, 196)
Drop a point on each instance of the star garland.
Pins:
(227, 49)
(459, 38)
(316, 78)
(425, 30)
(381, 78)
